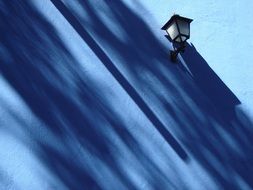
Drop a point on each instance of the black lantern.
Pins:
(178, 29)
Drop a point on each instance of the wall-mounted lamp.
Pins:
(178, 29)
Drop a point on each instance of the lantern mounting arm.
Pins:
(173, 54)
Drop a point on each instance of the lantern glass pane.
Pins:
(172, 31)
(178, 39)
(183, 38)
(184, 27)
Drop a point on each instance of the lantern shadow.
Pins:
(210, 83)
(227, 124)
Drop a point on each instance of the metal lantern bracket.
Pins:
(173, 54)
(176, 51)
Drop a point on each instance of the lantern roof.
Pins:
(173, 18)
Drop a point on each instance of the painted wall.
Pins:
(90, 99)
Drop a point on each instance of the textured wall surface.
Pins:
(90, 99)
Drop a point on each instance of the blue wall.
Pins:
(90, 99)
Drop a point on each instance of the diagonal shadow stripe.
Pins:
(120, 78)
